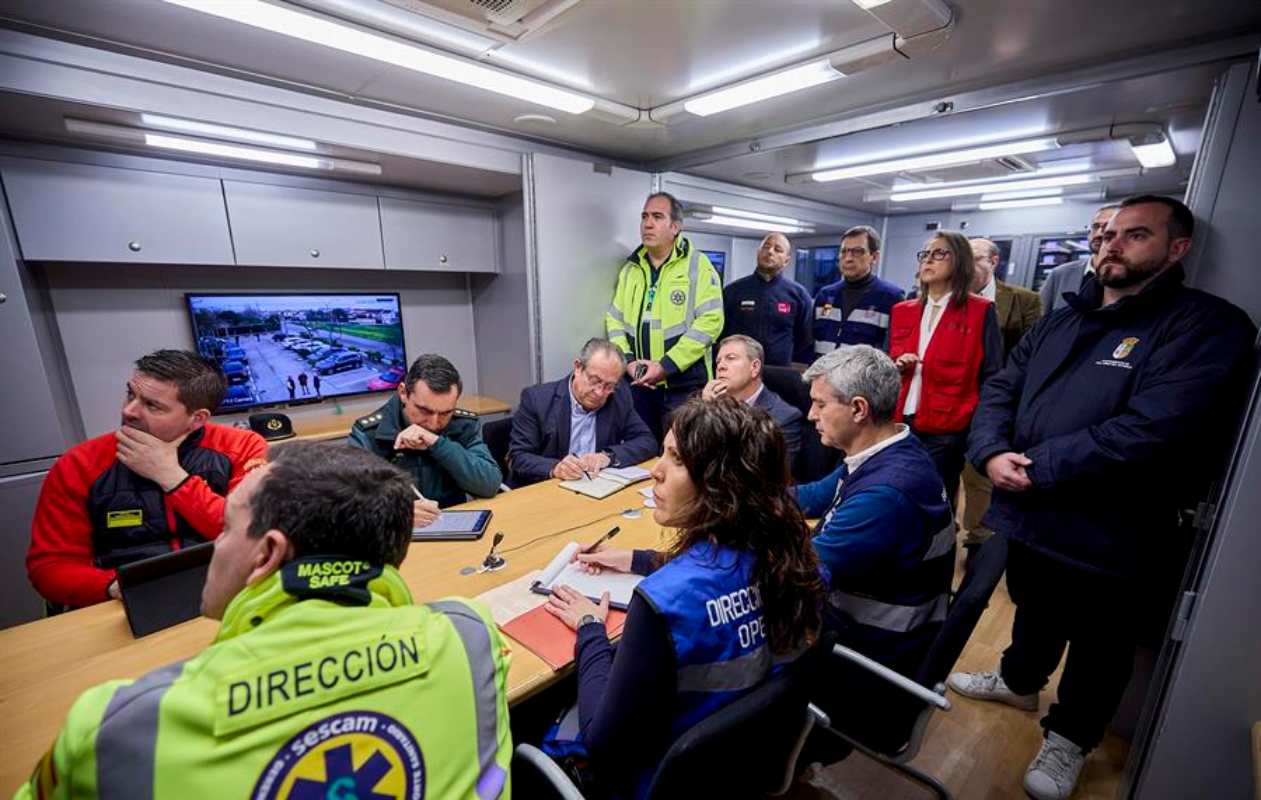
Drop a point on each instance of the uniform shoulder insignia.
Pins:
(369, 422)
(465, 414)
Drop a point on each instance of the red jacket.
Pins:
(61, 561)
(950, 378)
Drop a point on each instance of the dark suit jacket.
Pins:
(1018, 310)
(540, 431)
(787, 417)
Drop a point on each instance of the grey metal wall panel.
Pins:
(79, 212)
(281, 226)
(34, 430)
(447, 238)
(586, 222)
(18, 600)
(501, 316)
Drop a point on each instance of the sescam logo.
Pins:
(678, 297)
(354, 755)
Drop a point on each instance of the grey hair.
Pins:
(991, 249)
(676, 208)
(598, 345)
(860, 370)
(752, 347)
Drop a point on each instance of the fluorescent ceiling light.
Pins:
(751, 91)
(751, 224)
(1021, 193)
(736, 212)
(225, 132)
(999, 186)
(337, 36)
(969, 155)
(225, 150)
(1154, 155)
(1035, 201)
(866, 4)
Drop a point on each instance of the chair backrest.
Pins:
(786, 382)
(742, 749)
(496, 435)
(814, 459)
(983, 573)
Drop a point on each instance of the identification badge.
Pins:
(784, 308)
(127, 518)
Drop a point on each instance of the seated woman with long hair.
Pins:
(740, 542)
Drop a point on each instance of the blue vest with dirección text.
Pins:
(893, 612)
(708, 598)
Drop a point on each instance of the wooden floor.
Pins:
(978, 750)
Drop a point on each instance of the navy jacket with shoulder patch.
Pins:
(1125, 411)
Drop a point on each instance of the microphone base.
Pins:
(493, 563)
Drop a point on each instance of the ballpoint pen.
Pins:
(611, 533)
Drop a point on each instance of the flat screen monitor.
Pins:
(719, 259)
(291, 348)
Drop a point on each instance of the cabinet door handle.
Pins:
(442, 258)
(315, 253)
(133, 246)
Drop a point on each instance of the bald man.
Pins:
(770, 308)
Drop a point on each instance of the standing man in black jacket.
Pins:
(1110, 418)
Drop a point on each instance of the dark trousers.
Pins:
(1095, 616)
(947, 451)
(654, 406)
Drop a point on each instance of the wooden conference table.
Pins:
(45, 665)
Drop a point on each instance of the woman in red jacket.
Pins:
(946, 343)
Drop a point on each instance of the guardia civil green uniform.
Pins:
(458, 462)
(325, 681)
(671, 315)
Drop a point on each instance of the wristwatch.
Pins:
(612, 458)
(587, 619)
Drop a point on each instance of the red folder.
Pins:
(552, 640)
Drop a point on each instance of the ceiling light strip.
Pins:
(225, 132)
(762, 88)
(1028, 203)
(754, 215)
(346, 38)
(1000, 186)
(968, 155)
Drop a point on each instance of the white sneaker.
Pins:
(1052, 775)
(990, 686)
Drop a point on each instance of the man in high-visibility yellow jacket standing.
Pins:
(325, 679)
(666, 313)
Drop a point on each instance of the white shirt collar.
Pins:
(990, 290)
(939, 302)
(855, 461)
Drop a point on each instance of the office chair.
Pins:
(969, 602)
(814, 459)
(746, 748)
(496, 434)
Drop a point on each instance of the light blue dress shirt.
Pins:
(581, 426)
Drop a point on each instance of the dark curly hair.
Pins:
(737, 459)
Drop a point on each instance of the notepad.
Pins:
(552, 640)
(564, 572)
(607, 481)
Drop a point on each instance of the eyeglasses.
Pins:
(597, 384)
(854, 252)
(932, 255)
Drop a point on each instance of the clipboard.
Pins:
(562, 571)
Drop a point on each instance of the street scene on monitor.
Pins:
(292, 348)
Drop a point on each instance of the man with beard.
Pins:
(155, 484)
(1068, 277)
(1109, 420)
(774, 310)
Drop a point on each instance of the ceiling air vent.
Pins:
(506, 20)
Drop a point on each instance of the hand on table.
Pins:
(594, 462)
(568, 468)
(1008, 471)
(424, 512)
(570, 607)
(414, 437)
(150, 457)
